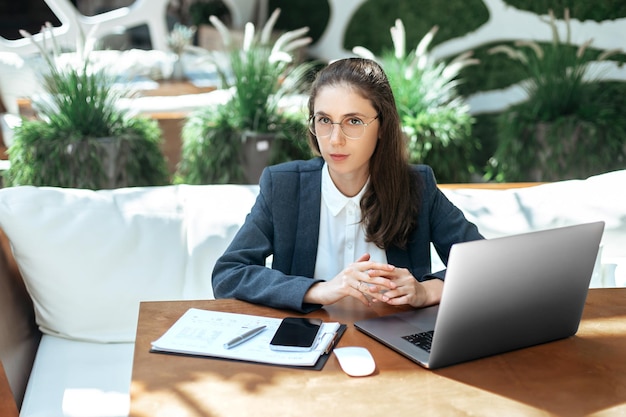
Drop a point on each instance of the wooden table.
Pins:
(579, 376)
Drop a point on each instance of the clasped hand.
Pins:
(371, 282)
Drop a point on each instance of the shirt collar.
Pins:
(333, 198)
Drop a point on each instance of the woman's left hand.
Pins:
(408, 289)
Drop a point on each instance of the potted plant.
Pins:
(80, 138)
(233, 141)
(435, 118)
(564, 129)
(179, 39)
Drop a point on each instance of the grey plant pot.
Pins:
(112, 157)
(255, 153)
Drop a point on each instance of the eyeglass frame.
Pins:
(311, 125)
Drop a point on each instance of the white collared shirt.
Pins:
(341, 235)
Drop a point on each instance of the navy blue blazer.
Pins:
(284, 222)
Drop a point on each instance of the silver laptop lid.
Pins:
(512, 292)
(504, 294)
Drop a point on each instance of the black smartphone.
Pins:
(296, 334)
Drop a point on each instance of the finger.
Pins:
(379, 290)
(396, 301)
(375, 293)
(393, 294)
(364, 287)
(363, 297)
(401, 295)
(380, 273)
(385, 273)
(377, 266)
(363, 258)
(367, 287)
(377, 280)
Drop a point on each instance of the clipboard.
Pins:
(319, 365)
(202, 333)
(324, 357)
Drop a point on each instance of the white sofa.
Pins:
(518, 210)
(89, 257)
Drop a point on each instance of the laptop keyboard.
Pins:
(422, 340)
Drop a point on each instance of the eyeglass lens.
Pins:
(322, 128)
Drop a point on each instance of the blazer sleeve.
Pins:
(241, 271)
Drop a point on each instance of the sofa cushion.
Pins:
(89, 257)
(562, 203)
(556, 204)
(79, 379)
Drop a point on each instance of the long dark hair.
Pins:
(392, 200)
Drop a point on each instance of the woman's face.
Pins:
(347, 159)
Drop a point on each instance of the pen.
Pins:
(243, 337)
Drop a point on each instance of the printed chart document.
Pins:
(204, 332)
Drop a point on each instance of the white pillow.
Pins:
(89, 257)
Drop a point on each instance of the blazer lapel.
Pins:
(305, 247)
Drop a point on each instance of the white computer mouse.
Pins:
(355, 360)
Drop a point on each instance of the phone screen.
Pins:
(296, 334)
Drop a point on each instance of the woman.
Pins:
(357, 221)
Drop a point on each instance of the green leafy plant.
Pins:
(434, 116)
(564, 129)
(259, 74)
(81, 139)
(212, 146)
(556, 72)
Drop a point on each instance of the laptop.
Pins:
(499, 295)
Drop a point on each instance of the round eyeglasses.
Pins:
(351, 126)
